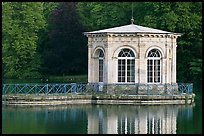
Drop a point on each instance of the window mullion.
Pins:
(125, 70)
(153, 70)
(160, 71)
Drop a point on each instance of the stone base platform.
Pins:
(54, 99)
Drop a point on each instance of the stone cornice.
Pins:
(153, 35)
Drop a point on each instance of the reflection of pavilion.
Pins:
(143, 120)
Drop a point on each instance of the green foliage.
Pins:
(196, 69)
(65, 51)
(21, 22)
(98, 15)
(48, 8)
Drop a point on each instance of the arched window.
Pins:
(154, 66)
(126, 66)
(101, 57)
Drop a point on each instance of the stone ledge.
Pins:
(96, 99)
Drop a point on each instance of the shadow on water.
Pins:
(100, 119)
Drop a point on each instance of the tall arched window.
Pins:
(154, 66)
(126, 66)
(100, 65)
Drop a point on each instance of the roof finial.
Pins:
(132, 20)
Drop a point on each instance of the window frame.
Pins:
(124, 56)
(154, 57)
(100, 66)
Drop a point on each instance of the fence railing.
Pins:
(76, 88)
(43, 88)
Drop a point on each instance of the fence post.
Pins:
(35, 89)
(75, 88)
(64, 87)
(190, 88)
(15, 88)
(46, 89)
(3, 90)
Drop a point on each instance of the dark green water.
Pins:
(103, 119)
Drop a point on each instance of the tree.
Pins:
(101, 15)
(65, 51)
(21, 22)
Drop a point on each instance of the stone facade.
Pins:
(111, 42)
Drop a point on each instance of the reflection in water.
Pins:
(94, 119)
(134, 120)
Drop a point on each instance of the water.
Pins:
(102, 119)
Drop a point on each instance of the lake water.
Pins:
(103, 119)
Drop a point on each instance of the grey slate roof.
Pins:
(132, 28)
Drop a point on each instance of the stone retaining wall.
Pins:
(96, 99)
(134, 89)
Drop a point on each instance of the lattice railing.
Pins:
(185, 88)
(75, 88)
(43, 88)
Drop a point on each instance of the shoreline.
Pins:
(32, 99)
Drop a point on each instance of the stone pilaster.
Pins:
(90, 64)
(173, 61)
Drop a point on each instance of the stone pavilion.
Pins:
(132, 54)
